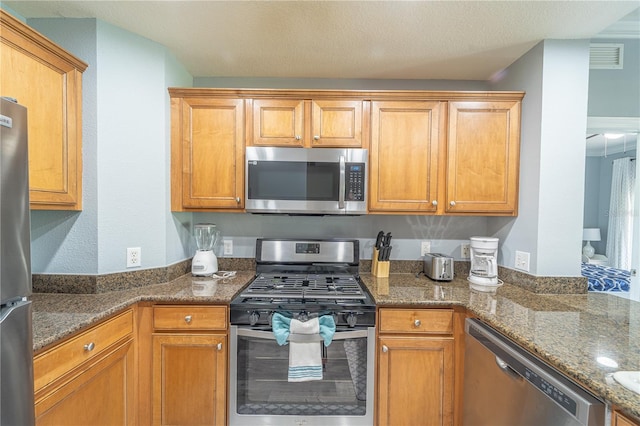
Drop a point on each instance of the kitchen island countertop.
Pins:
(569, 332)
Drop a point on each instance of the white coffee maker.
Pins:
(205, 262)
(484, 262)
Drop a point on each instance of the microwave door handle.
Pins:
(342, 183)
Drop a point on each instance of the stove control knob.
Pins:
(254, 316)
(352, 319)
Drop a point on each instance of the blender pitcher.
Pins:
(205, 262)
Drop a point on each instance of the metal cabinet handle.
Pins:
(187, 319)
(237, 199)
(417, 323)
(89, 346)
(219, 346)
(316, 138)
(385, 349)
(434, 202)
(298, 137)
(452, 203)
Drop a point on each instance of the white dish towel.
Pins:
(305, 360)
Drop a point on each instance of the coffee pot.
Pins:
(205, 262)
(484, 261)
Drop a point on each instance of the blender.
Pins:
(205, 262)
(484, 262)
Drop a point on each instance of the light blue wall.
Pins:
(555, 76)
(343, 84)
(616, 93)
(126, 125)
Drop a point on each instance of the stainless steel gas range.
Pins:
(303, 279)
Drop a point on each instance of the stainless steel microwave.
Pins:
(324, 181)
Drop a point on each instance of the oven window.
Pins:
(263, 387)
(298, 181)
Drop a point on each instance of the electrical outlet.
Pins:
(465, 251)
(228, 247)
(425, 248)
(522, 261)
(134, 257)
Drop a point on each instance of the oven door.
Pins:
(261, 395)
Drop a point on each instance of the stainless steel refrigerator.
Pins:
(16, 335)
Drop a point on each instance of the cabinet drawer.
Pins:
(190, 317)
(62, 358)
(433, 321)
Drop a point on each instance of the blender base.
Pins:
(204, 263)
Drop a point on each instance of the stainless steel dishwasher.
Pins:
(504, 385)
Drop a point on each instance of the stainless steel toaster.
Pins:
(438, 266)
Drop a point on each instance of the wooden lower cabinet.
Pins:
(95, 378)
(619, 419)
(183, 356)
(417, 359)
(189, 379)
(415, 381)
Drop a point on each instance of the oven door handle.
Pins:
(302, 338)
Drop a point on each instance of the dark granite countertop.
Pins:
(569, 331)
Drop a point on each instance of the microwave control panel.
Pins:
(355, 181)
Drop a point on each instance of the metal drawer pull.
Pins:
(219, 346)
(316, 137)
(89, 346)
(434, 202)
(452, 203)
(187, 319)
(237, 199)
(417, 323)
(385, 349)
(298, 137)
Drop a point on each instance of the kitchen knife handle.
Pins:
(379, 239)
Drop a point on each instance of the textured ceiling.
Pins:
(453, 40)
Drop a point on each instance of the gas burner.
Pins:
(311, 276)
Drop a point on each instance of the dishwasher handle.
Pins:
(574, 399)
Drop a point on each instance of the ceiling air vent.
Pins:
(606, 56)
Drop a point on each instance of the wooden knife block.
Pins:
(379, 268)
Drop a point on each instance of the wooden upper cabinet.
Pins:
(403, 162)
(483, 157)
(207, 154)
(48, 81)
(278, 122)
(307, 123)
(336, 124)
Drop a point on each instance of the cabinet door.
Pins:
(207, 154)
(404, 156)
(415, 381)
(618, 419)
(48, 81)
(189, 379)
(278, 122)
(336, 123)
(99, 394)
(483, 155)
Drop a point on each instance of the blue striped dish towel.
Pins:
(305, 359)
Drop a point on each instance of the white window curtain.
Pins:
(619, 234)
